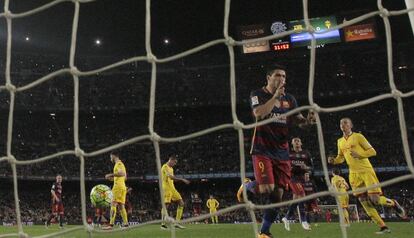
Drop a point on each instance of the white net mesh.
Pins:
(156, 139)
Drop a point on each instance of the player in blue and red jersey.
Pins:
(301, 162)
(270, 147)
(57, 203)
(311, 206)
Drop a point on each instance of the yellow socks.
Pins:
(113, 215)
(346, 215)
(124, 216)
(179, 212)
(372, 212)
(386, 202)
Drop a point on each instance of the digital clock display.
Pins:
(280, 46)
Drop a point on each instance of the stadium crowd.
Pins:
(214, 153)
(35, 203)
(114, 108)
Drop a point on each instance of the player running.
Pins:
(355, 149)
(301, 164)
(340, 185)
(270, 146)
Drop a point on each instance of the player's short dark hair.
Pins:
(172, 156)
(116, 153)
(272, 67)
(336, 171)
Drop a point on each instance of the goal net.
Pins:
(156, 139)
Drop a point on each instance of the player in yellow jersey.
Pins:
(170, 193)
(340, 184)
(355, 150)
(213, 204)
(119, 190)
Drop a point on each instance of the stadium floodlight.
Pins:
(27, 38)
(166, 41)
(98, 42)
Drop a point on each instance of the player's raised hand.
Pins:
(280, 88)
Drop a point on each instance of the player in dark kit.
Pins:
(196, 203)
(270, 146)
(301, 164)
(57, 203)
(311, 206)
(128, 205)
(99, 214)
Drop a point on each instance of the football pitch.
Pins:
(322, 230)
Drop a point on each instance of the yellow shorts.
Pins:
(171, 195)
(344, 201)
(362, 180)
(213, 210)
(119, 194)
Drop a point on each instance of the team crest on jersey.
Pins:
(255, 100)
(285, 104)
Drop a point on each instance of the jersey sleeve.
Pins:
(364, 142)
(309, 162)
(293, 102)
(122, 168)
(333, 182)
(340, 157)
(163, 172)
(255, 99)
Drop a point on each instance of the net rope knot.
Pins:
(169, 219)
(74, 71)
(89, 228)
(11, 87)
(316, 107)
(310, 29)
(384, 12)
(155, 137)
(151, 58)
(230, 41)
(11, 159)
(396, 93)
(250, 205)
(238, 125)
(8, 14)
(79, 152)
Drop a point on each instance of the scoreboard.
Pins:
(321, 26)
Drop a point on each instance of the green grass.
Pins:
(323, 230)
